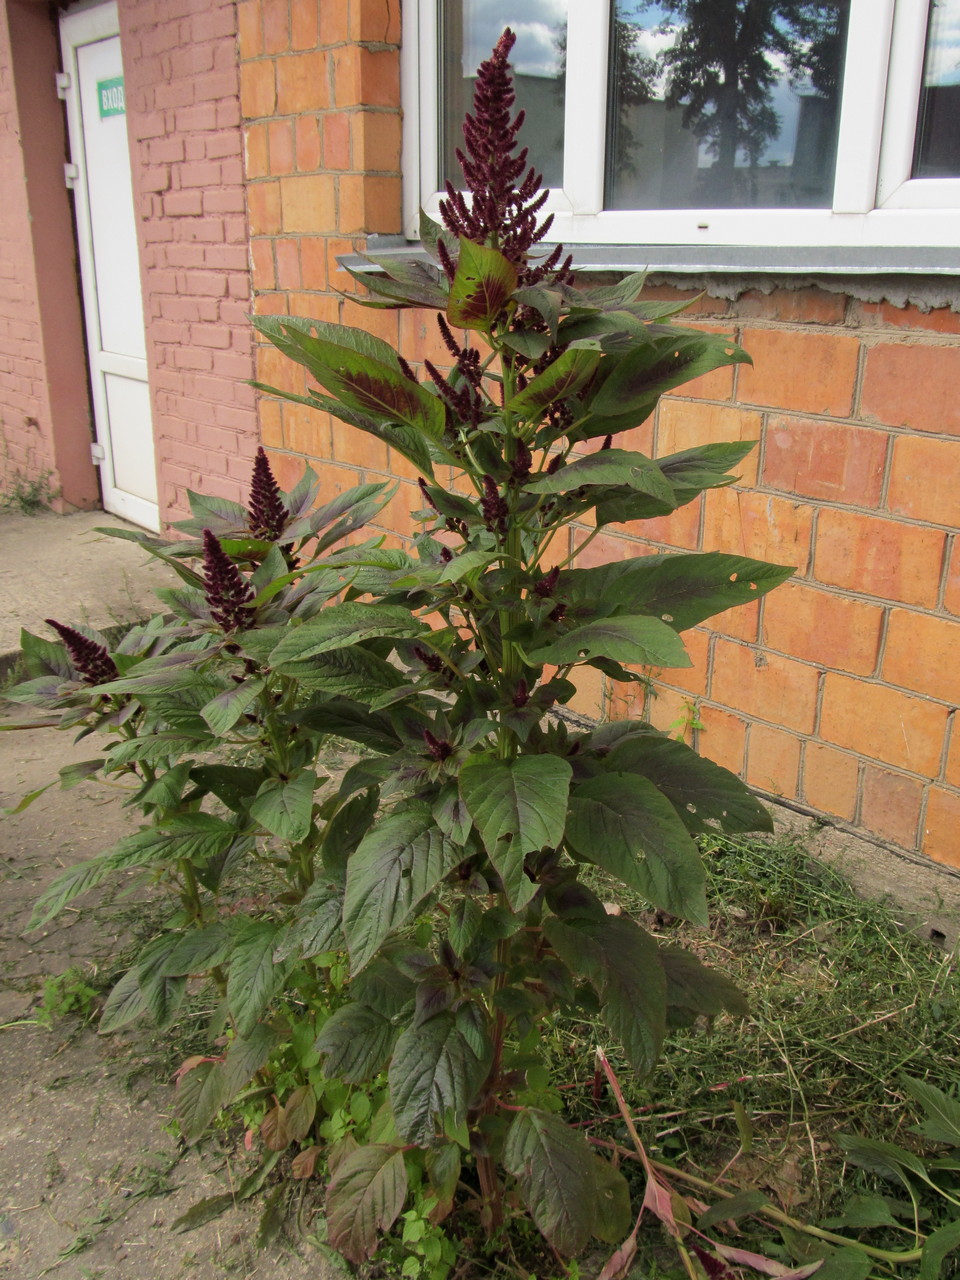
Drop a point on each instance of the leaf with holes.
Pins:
(364, 1200)
(704, 794)
(572, 1193)
(682, 590)
(645, 641)
(622, 823)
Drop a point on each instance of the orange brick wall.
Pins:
(837, 693)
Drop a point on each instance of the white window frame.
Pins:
(875, 201)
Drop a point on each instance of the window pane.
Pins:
(468, 31)
(724, 103)
(938, 124)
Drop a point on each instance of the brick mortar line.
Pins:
(813, 739)
(875, 681)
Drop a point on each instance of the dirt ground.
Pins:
(89, 1180)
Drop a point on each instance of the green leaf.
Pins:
(356, 1042)
(435, 1071)
(342, 625)
(359, 369)
(233, 784)
(519, 807)
(682, 590)
(316, 926)
(885, 1158)
(299, 1112)
(623, 824)
(623, 964)
(206, 1210)
(703, 793)
(68, 885)
(483, 283)
(862, 1211)
(641, 640)
(285, 808)
(223, 712)
(943, 1113)
(348, 719)
(608, 467)
(732, 1208)
(200, 1096)
(547, 301)
(162, 991)
(199, 951)
(43, 657)
(451, 814)
(567, 374)
(936, 1248)
(346, 829)
(639, 378)
(572, 1193)
(124, 1003)
(245, 1056)
(253, 979)
(364, 1200)
(193, 837)
(695, 990)
(396, 866)
(463, 924)
(352, 673)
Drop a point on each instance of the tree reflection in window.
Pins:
(724, 103)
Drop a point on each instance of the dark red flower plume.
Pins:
(92, 662)
(267, 514)
(225, 587)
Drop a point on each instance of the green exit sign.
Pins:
(110, 97)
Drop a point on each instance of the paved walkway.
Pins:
(59, 567)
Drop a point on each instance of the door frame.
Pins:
(81, 26)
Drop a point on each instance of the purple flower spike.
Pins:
(228, 594)
(92, 662)
(504, 201)
(267, 514)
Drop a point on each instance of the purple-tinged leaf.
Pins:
(481, 288)
(364, 1200)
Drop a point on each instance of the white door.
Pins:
(109, 262)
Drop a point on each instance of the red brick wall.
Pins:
(182, 82)
(835, 693)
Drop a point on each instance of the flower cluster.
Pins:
(267, 514)
(92, 662)
(500, 212)
(227, 591)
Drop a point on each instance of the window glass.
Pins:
(938, 124)
(724, 103)
(468, 31)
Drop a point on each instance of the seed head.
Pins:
(227, 591)
(267, 514)
(92, 662)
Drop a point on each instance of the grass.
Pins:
(843, 1006)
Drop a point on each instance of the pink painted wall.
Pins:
(182, 91)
